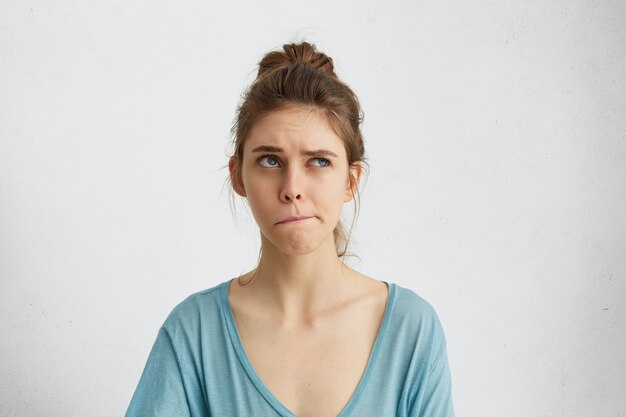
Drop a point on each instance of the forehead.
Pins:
(294, 128)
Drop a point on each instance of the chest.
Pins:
(312, 370)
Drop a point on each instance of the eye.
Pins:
(270, 161)
(322, 162)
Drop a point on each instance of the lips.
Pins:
(293, 219)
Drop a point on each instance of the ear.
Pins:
(354, 176)
(235, 180)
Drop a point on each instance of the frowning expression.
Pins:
(295, 176)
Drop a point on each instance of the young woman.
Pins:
(302, 334)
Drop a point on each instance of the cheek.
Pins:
(331, 196)
(260, 194)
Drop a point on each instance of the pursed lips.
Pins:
(293, 219)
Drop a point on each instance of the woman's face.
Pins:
(295, 176)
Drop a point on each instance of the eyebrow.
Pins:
(316, 152)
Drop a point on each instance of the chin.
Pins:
(295, 243)
(296, 246)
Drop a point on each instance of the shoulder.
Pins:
(198, 308)
(413, 313)
(408, 302)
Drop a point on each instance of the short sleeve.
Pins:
(438, 391)
(161, 391)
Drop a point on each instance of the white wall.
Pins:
(496, 132)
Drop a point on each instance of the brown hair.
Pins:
(300, 75)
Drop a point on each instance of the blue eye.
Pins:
(323, 162)
(272, 161)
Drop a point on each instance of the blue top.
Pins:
(198, 366)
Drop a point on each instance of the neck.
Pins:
(297, 287)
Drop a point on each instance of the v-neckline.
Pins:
(258, 382)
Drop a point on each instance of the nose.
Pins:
(286, 197)
(291, 187)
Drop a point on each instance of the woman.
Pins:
(301, 334)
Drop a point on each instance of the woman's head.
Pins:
(300, 77)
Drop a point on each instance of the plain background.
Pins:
(496, 137)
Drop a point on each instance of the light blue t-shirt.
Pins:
(198, 367)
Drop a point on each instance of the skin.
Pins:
(306, 317)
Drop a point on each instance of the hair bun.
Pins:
(294, 54)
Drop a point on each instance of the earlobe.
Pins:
(235, 180)
(354, 177)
